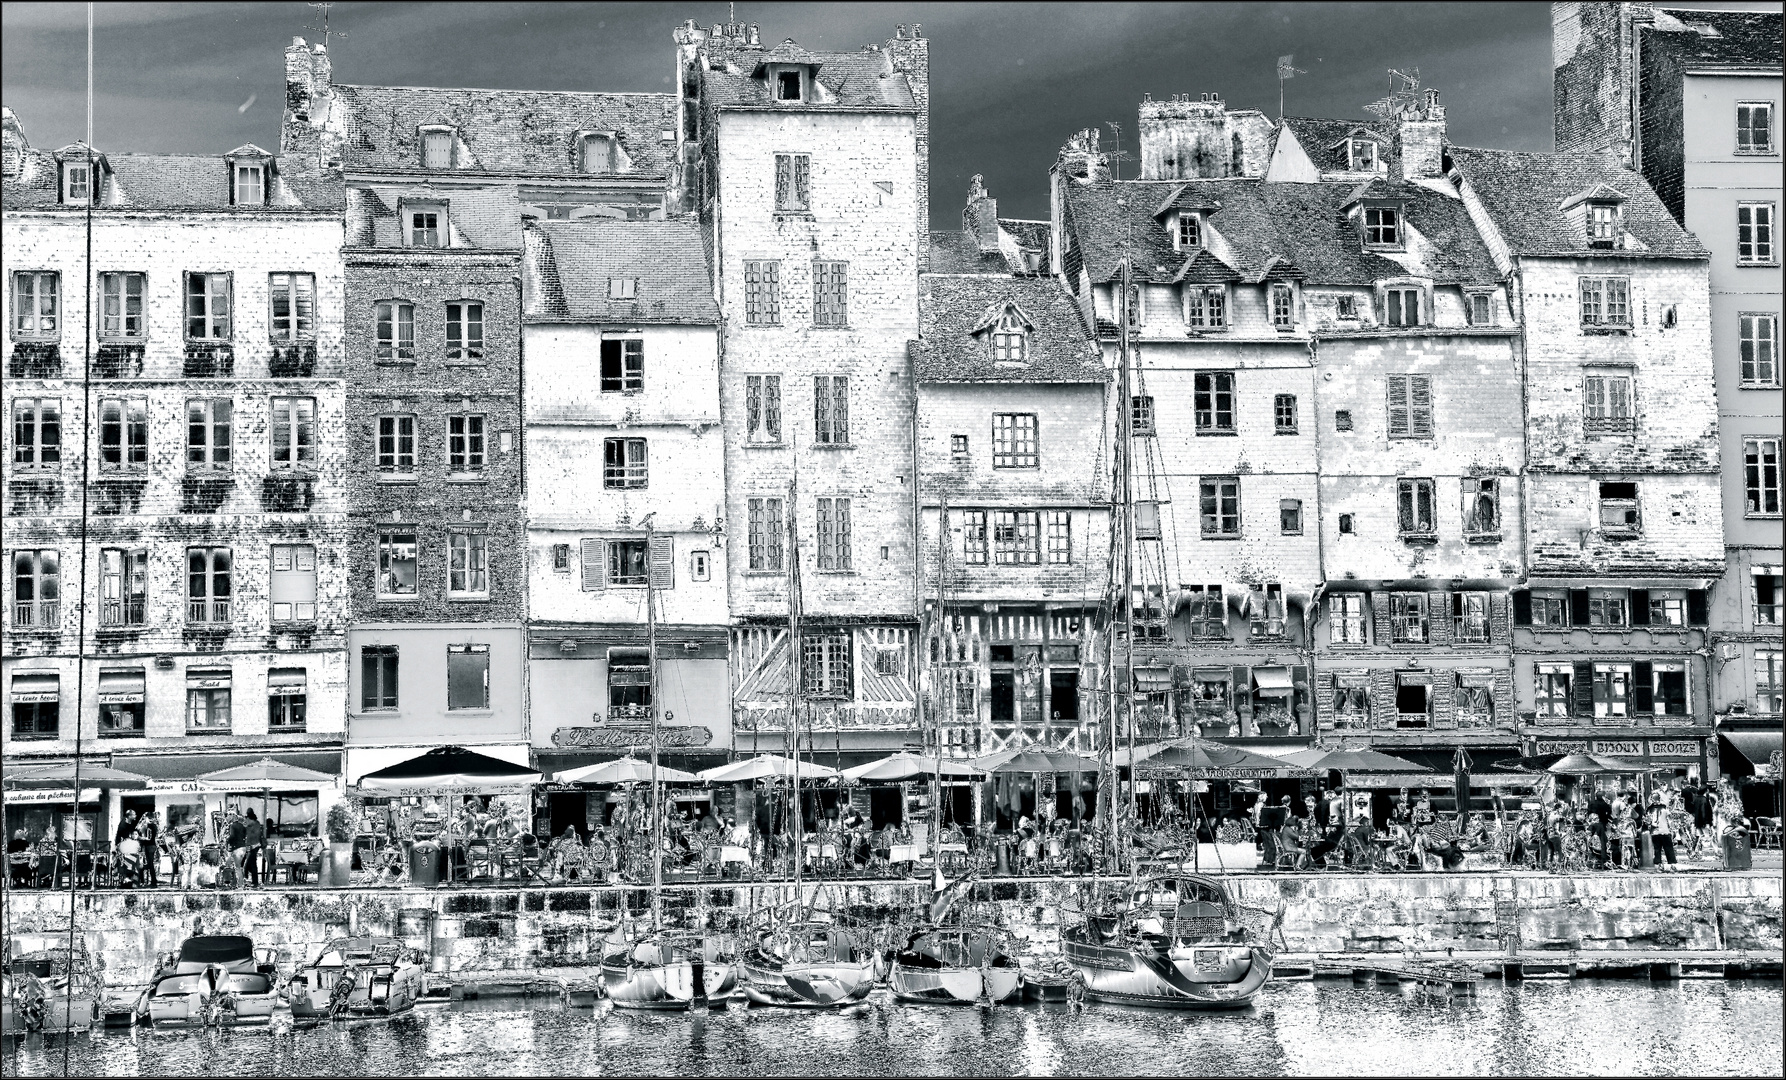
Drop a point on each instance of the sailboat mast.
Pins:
(1127, 420)
(657, 787)
(942, 693)
(796, 666)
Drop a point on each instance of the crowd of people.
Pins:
(142, 853)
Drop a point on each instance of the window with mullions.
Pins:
(1608, 608)
(1550, 609)
(764, 528)
(208, 585)
(1382, 227)
(1190, 231)
(208, 702)
(1469, 617)
(1759, 337)
(1407, 618)
(1768, 663)
(1283, 414)
(36, 433)
(1283, 307)
(208, 307)
(1060, 537)
(1603, 224)
(1010, 339)
(1401, 307)
(629, 684)
(465, 444)
(397, 562)
(1761, 477)
(465, 330)
(123, 434)
(624, 466)
(1755, 234)
(1219, 510)
(1141, 414)
(1414, 507)
(1612, 691)
(629, 562)
(1015, 537)
(396, 445)
(292, 307)
(831, 409)
(1553, 694)
(121, 305)
(1766, 595)
(1605, 301)
(1206, 612)
(1206, 307)
(123, 586)
(37, 589)
(825, 664)
(378, 677)
(1755, 127)
(36, 304)
(830, 294)
(294, 433)
(762, 408)
(395, 334)
(623, 365)
(793, 181)
(1213, 402)
(762, 292)
(973, 537)
(1482, 506)
(1351, 618)
(1014, 441)
(834, 534)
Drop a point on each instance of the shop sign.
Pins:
(621, 738)
(1677, 748)
(1619, 747)
(51, 795)
(1545, 747)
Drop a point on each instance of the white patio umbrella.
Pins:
(905, 766)
(626, 770)
(763, 765)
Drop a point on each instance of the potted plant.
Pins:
(343, 825)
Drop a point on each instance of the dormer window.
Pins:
(425, 225)
(1190, 231)
(250, 185)
(1009, 340)
(1382, 227)
(437, 148)
(1361, 155)
(77, 181)
(787, 85)
(1603, 224)
(598, 154)
(623, 288)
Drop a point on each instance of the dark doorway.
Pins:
(1004, 697)
(1063, 696)
(568, 809)
(886, 806)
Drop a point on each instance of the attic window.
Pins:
(426, 224)
(787, 85)
(1361, 155)
(623, 288)
(437, 148)
(598, 154)
(1190, 231)
(1009, 342)
(1603, 224)
(77, 181)
(250, 185)
(1382, 227)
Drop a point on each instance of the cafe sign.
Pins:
(51, 795)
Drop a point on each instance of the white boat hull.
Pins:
(807, 986)
(955, 985)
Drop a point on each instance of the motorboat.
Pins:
(213, 980)
(956, 965)
(667, 970)
(807, 965)
(52, 991)
(358, 978)
(1049, 979)
(1174, 942)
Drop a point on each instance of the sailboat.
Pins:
(662, 969)
(1176, 941)
(807, 962)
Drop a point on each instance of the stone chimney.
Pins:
(12, 142)
(1080, 158)
(909, 53)
(1183, 139)
(309, 133)
(1422, 137)
(980, 220)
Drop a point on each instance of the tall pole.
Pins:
(1126, 420)
(657, 786)
(943, 696)
(797, 664)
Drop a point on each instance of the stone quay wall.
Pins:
(530, 930)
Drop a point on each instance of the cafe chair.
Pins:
(480, 861)
(1767, 832)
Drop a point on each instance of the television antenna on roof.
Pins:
(324, 28)
(1398, 98)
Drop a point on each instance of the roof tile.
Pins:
(570, 263)
(1525, 195)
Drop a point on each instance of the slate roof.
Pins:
(504, 132)
(168, 182)
(481, 218)
(1029, 234)
(568, 264)
(1736, 38)
(855, 80)
(1303, 225)
(1324, 141)
(954, 252)
(1060, 348)
(1524, 194)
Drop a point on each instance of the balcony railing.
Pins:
(629, 714)
(121, 613)
(37, 614)
(1469, 631)
(207, 611)
(1475, 718)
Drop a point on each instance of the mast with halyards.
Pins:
(797, 667)
(657, 785)
(942, 693)
(1126, 526)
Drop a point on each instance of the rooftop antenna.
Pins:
(1286, 69)
(1397, 99)
(324, 28)
(1116, 156)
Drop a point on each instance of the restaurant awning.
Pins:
(762, 766)
(29, 686)
(449, 769)
(120, 686)
(182, 772)
(1755, 749)
(286, 681)
(1273, 682)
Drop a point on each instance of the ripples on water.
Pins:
(1297, 1029)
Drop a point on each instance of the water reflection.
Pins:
(1297, 1029)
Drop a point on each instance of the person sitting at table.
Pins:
(1401, 842)
(1293, 842)
(21, 861)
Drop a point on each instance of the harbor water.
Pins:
(1581, 1027)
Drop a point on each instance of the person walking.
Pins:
(148, 832)
(254, 837)
(1661, 833)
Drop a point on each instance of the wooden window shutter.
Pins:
(1698, 610)
(594, 565)
(663, 562)
(1438, 626)
(1420, 406)
(1640, 607)
(1498, 631)
(1578, 607)
(1398, 405)
(1643, 688)
(1582, 688)
(1522, 607)
(1379, 605)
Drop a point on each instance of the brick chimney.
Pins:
(980, 220)
(309, 133)
(1422, 137)
(909, 53)
(1080, 158)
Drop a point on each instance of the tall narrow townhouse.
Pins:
(808, 173)
(1420, 440)
(626, 497)
(439, 181)
(1691, 99)
(1227, 557)
(1624, 523)
(175, 507)
(1011, 439)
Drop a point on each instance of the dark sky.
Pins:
(1009, 82)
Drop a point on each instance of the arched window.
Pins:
(1009, 340)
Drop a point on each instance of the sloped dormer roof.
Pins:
(1524, 194)
(956, 313)
(854, 80)
(569, 263)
